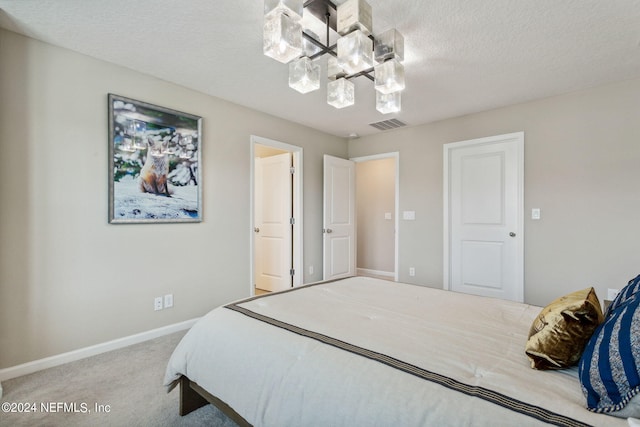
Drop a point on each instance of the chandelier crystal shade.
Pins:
(282, 37)
(389, 45)
(304, 75)
(389, 76)
(354, 15)
(388, 102)
(291, 8)
(355, 53)
(310, 48)
(340, 93)
(334, 71)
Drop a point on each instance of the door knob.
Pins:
(512, 234)
(257, 230)
(328, 231)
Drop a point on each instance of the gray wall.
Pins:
(68, 279)
(582, 157)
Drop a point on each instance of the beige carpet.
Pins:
(127, 382)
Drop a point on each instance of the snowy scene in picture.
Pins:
(130, 203)
(155, 163)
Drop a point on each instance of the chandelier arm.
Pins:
(322, 53)
(331, 50)
(314, 41)
(366, 73)
(328, 17)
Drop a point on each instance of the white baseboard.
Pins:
(60, 359)
(368, 272)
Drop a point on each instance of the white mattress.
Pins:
(414, 356)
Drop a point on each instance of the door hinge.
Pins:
(292, 170)
(292, 221)
(292, 272)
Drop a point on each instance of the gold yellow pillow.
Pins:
(560, 332)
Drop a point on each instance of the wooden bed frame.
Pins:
(193, 397)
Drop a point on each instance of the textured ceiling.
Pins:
(461, 56)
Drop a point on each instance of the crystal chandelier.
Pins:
(357, 52)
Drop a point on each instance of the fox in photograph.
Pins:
(153, 176)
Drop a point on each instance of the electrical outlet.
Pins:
(412, 271)
(311, 270)
(157, 303)
(168, 301)
(612, 294)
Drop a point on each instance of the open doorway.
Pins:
(276, 215)
(377, 206)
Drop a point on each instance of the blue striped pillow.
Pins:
(627, 292)
(609, 369)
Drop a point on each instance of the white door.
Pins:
(339, 228)
(484, 223)
(273, 229)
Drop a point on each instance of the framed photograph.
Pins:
(154, 163)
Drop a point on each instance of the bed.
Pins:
(368, 352)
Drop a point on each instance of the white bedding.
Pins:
(274, 377)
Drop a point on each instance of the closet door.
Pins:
(484, 224)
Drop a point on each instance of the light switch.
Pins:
(535, 213)
(409, 215)
(387, 215)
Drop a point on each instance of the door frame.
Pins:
(297, 256)
(391, 155)
(447, 149)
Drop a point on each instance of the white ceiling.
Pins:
(461, 56)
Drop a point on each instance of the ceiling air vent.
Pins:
(388, 124)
